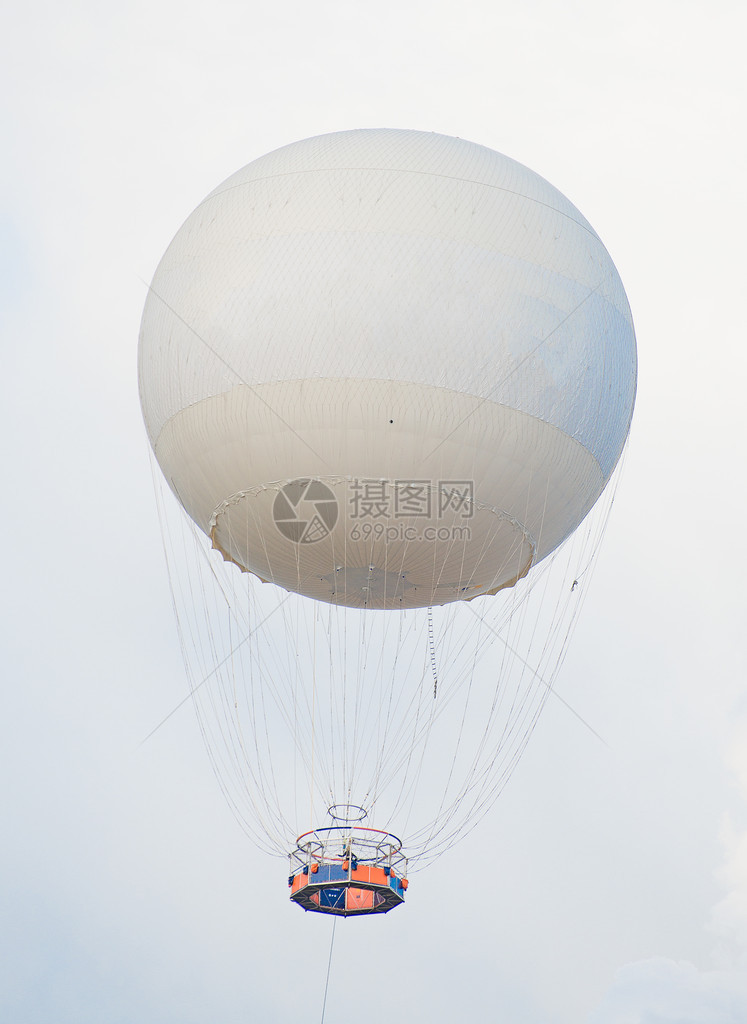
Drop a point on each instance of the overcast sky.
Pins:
(609, 885)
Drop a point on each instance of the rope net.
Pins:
(418, 715)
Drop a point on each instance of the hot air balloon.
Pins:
(386, 374)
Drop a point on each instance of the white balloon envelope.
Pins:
(387, 368)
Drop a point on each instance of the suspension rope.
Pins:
(212, 672)
(548, 686)
(350, 686)
(432, 649)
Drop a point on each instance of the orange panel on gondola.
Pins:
(360, 899)
(369, 874)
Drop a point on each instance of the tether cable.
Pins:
(329, 967)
